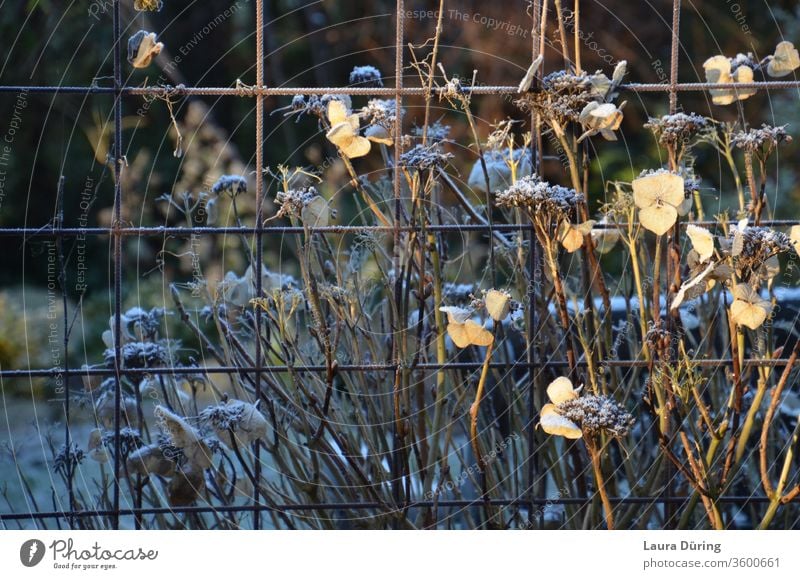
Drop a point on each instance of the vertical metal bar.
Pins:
(397, 478)
(532, 284)
(62, 280)
(259, 257)
(117, 248)
(669, 506)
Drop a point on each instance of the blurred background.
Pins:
(212, 43)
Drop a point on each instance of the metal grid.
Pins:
(258, 92)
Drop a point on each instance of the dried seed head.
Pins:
(366, 76)
(541, 198)
(677, 128)
(597, 414)
(233, 185)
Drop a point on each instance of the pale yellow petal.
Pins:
(571, 238)
(560, 390)
(553, 423)
(702, 241)
(498, 304)
(337, 112)
(341, 134)
(785, 60)
(357, 147)
(477, 334)
(747, 314)
(658, 218)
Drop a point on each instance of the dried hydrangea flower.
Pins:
(344, 131)
(723, 70)
(380, 116)
(235, 422)
(425, 158)
(761, 142)
(233, 185)
(677, 128)
(183, 436)
(755, 251)
(600, 118)
(366, 76)
(660, 197)
(784, 61)
(151, 460)
(143, 47)
(748, 307)
(148, 5)
(540, 198)
(304, 203)
(597, 415)
(105, 409)
(462, 330)
(551, 420)
(497, 304)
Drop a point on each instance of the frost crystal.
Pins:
(596, 414)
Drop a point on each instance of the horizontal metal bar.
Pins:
(190, 231)
(292, 230)
(247, 91)
(740, 500)
(181, 370)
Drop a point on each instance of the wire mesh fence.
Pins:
(125, 507)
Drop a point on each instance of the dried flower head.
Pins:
(748, 307)
(761, 142)
(233, 185)
(677, 128)
(67, 458)
(597, 415)
(784, 61)
(723, 70)
(755, 251)
(540, 198)
(366, 76)
(148, 5)
(143, 47)
(380, 116)
(235, 422)
(660, 197)
(423, 158)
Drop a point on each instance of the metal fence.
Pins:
(259, 92)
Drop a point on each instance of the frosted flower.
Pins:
(366, 76)
(183, 436)
(749, 308)
(499, 170)
(755, 251)
(785, 60)
(380, 116)
(761, 142)
(597, 415)
(140, 355)
(677, 128)
(659, 197)
(305, 204)
(540, 197)
(236, 422)
(233, 185)
(723, 70)
(425, 158)
(143, 47)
